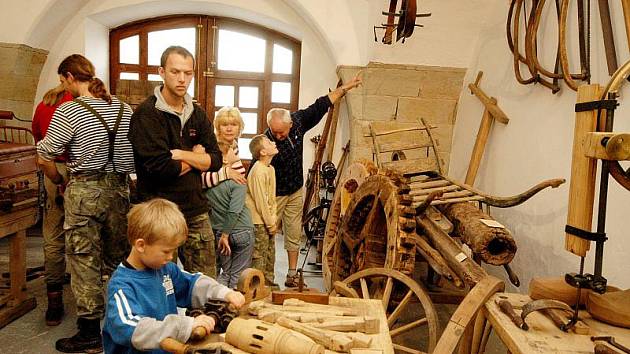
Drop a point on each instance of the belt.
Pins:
(98, 175)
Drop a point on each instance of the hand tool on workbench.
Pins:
(611, 340)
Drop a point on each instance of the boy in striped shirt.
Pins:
(147, 287)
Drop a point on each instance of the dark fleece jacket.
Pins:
(153, 133)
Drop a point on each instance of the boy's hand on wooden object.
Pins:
(204, 321)
(224, 245)
(235, 298)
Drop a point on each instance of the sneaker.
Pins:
(293, 281)
(87, 340)
(54, 312)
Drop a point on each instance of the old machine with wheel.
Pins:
(19, 191)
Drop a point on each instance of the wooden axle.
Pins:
(607, 146)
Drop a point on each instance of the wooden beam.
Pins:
(583, 170)
(491, 106)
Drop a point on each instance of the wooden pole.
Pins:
(626, 18)
(480, 146)
(583, 170)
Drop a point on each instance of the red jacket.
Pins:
(42, 117)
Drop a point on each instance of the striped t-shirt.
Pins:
(212, 179)
(75, 128)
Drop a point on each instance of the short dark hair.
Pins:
(177, 50)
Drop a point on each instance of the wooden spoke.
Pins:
(391, 285)
(387, 293)
(409, 326)
(364, 288)
(402, 348)
(391, 319)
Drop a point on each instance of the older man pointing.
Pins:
(287, 131)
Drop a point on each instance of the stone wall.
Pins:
(397, 96)
(20, 69)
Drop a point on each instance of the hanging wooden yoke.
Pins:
(538, 73)
(406, 21)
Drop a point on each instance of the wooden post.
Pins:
(626, 18)
(480, 146)
(490, 113)
(583, 170)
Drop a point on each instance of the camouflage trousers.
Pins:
(52, 230)
(264, 256)
(197, 253)
(96, 236)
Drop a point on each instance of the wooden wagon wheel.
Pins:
(348, 183)
(399, 295)
(377, 229)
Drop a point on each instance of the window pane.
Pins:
(281, 92)
(243, 148)
(154, 77)
(248, 97)
(129, 76)
(251, 123)
(130, 50)
(224, 95)
(241, 52)
(282, 60)
(191, 88)
(160, 40)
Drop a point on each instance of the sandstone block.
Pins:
(379, 108)
(436, 110)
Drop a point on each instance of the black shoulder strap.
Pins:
(111, 134)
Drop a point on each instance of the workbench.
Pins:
(374, 308)
(543, 335)
(15, 302)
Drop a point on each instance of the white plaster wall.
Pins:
(536, 145)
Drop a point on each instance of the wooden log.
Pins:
(436, 261)
(466, 269)
(583, 171)
(607, 146)
(612, 308)
(493, 245)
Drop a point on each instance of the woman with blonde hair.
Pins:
(228, 126)
(231, 220)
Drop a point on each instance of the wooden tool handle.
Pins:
(173, 346)
(198, 333)
(604, 349)
(507, 308)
